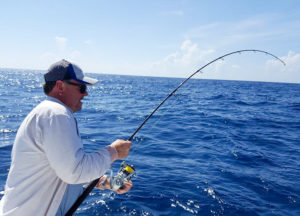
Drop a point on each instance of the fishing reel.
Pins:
(125, 173)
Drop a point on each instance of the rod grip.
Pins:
(82, 197)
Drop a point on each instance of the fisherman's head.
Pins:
(66, 82)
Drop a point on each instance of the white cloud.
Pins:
(189, 53)
(62, 51)
(75, 54)
(46, 59)
(61, 42)
(235, 66)
(254, 67)
(292, 60)
(46, 56)
(224, 34)
(87, 42)
(289, 73)
(260, 29)
(185, 55)
(180, 63)
(189, 57)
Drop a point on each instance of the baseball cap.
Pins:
(64, 70)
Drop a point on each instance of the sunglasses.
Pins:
(82, 87)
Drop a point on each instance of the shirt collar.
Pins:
(58, 101)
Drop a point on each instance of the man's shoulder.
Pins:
(50, 108)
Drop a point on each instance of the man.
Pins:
(48, 164)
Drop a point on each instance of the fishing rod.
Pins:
(126, 170)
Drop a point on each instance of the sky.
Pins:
(165, 38)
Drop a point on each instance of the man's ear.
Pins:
(60, 85)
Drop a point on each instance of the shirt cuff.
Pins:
(113, 153)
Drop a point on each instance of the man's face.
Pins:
(73, 96)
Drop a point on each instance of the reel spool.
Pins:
(125, 173)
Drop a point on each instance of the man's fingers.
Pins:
(127, 186)
(122, 147)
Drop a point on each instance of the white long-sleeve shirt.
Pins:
(47, 155)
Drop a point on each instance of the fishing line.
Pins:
(157, 121)
(129, 169)
(166, 112)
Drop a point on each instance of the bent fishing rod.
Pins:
(127, 168)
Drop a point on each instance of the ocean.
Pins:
(214, 148)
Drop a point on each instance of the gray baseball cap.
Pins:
(64, 70)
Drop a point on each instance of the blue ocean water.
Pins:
(214, 148)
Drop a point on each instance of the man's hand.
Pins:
(125, 188)
(104, 184)
(122, 147)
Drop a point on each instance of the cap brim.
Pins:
(88, 81)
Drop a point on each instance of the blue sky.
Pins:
(170, 38)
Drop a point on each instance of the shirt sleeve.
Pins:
(64, 150)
